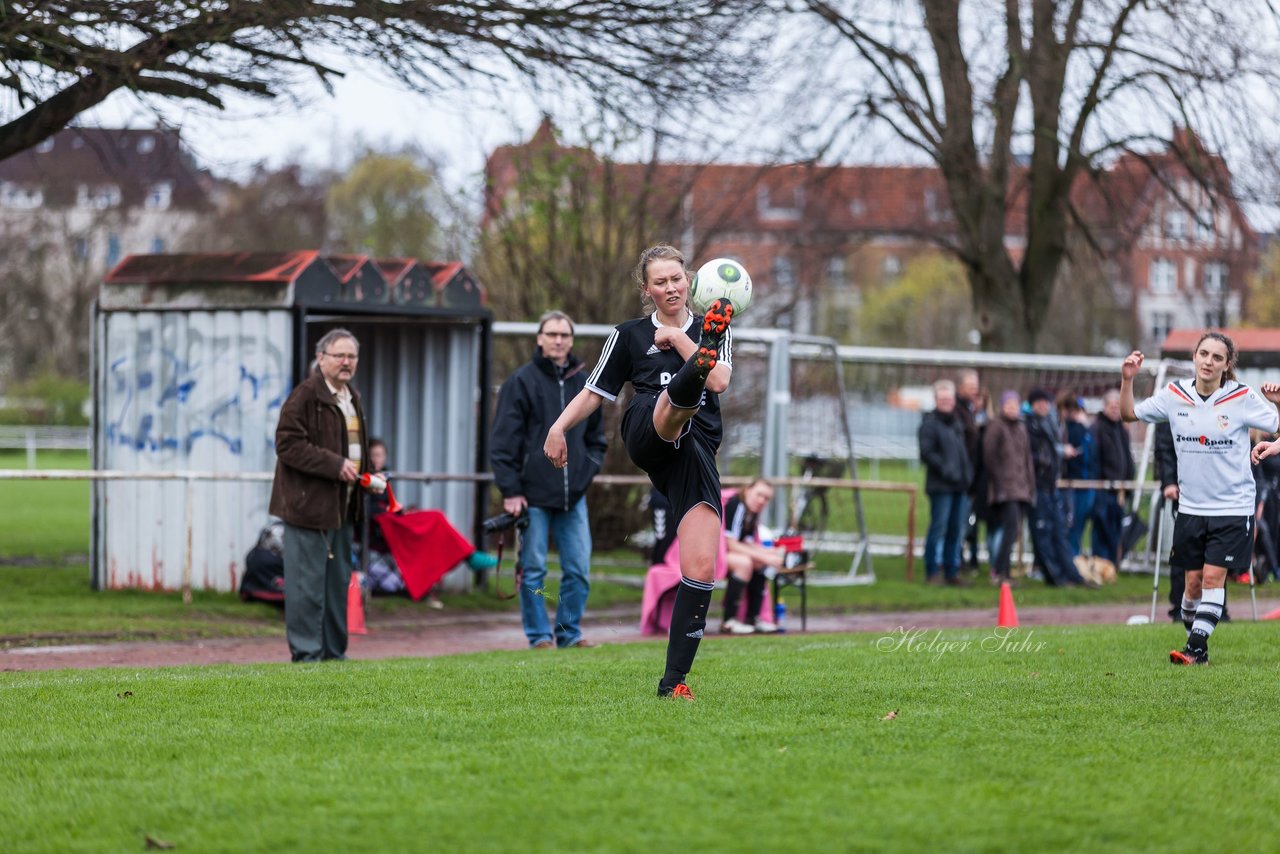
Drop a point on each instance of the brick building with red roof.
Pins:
(816, 238)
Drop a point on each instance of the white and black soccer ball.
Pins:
(722, 277)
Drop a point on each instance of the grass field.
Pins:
(47, 520)
(1064, 739)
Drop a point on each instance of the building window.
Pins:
(783, 276)
(1161, 325)
(159, 196)
(1205, 227)
(1164, 276)
(17, 196)
(1175, 223)
(779, 205)
(1215, 278)
(98, 197)
(892, 266)
(146, 144)
(936, 207)
(80, 248)
(157, 245)
(835, 272)
(44, 146)
(1214, 319)
(113, 249)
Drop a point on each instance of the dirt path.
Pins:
(446, 634)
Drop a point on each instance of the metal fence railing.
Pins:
(36, 438)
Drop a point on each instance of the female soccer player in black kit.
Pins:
(671, 429)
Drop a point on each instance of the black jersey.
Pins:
(630, 355)
(739, 522)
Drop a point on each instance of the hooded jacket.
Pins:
(1042, 430)
(529, 402)
(1006, 451)
(943, 452)
(1115, 458)
(311, 446)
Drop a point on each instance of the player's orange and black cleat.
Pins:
(715, 323)
(679, 692)
(1187, 656)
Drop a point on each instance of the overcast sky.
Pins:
(321, 130)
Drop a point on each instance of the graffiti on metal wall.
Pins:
(227, 390)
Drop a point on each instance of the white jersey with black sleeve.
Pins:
(630, 355)
(1211, 438)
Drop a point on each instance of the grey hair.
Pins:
(334, 335)
(944, 385)
(554, 314)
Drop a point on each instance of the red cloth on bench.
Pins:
(425, 545)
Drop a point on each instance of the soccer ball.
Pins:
(722, 277)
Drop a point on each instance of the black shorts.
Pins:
(684, 470)
(1225, 541)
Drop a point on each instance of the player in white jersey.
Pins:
(1210, 417)
(671, 429)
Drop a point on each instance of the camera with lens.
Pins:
(505, 522)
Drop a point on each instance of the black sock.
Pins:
(755, 596)
(685, 389)
(1212, 603)
(688, 620)
(733, 595)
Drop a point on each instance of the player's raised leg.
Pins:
(680, 400)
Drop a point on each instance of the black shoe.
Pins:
(1186, 655)
(679, 691)
(715, 325)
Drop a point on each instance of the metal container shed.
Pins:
(194, 356)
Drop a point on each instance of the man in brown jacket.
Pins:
(322, 448)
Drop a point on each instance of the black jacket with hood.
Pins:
(529, 402)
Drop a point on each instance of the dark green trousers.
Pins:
(317, 570)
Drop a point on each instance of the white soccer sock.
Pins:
(1189, 607)
(1209, 612)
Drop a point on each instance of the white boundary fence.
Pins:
(43, 438)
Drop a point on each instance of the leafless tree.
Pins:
(58, 59)
(1018, 102)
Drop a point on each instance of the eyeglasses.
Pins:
(344, 357)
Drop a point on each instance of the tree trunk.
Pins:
(998, 304)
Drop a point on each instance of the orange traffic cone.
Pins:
(355, 607)
(1008, 615)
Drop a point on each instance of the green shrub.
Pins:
(47, 399)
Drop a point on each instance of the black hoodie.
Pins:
(529, 402)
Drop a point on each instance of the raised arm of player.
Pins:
(580, 408)
(1128, 370)
(1262, 450)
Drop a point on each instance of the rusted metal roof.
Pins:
(180, 268)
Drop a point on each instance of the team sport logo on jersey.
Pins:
(1223, 423)
(1205, 440)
